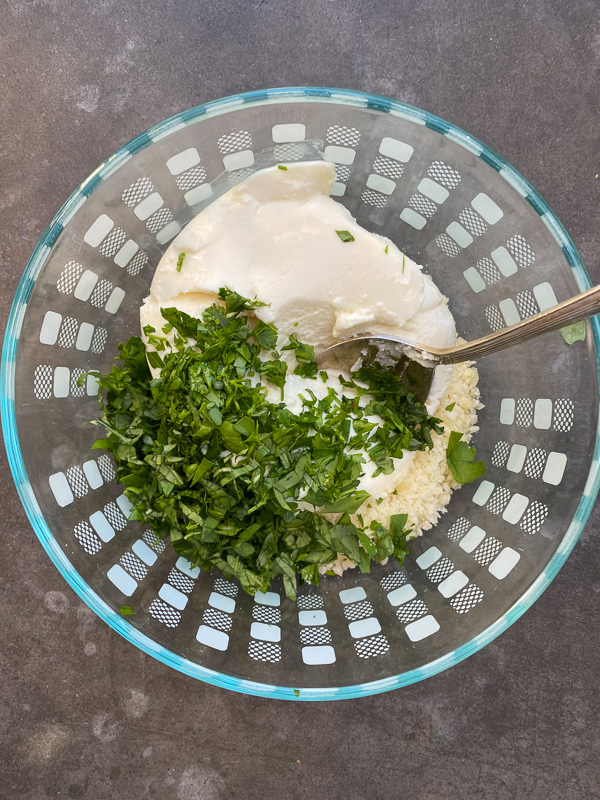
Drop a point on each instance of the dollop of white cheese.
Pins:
(273, 237)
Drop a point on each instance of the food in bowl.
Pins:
(228, 438)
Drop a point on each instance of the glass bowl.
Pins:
(493, 247)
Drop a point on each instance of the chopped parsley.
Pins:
(126, 611)
(180, 258)
(386, 249)
(450, 406)
(403, 262)
(239, 482)
(461, 460)
(345, 236)
(281, 166)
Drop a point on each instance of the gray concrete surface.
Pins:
(85, 715)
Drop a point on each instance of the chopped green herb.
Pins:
(180, 258)
(209, 463)
(345, 236)
(403, 262)
(574, 333)
(460, 458)
(126, 610)
(281, 166)
(450, 406)
(296, 692)
(386, 249)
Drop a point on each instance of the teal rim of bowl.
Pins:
(7, 390)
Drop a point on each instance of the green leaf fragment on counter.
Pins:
(126, 611)
(574, 333)
(345, 236)
(461, 460)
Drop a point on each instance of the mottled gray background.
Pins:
(83, 714)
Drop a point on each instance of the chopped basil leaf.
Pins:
(460, 458)
(211, 464)
(345, 236)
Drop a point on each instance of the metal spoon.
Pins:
(415, 364)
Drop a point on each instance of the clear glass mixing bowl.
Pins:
(491, 244)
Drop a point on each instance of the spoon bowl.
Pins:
(415, 363)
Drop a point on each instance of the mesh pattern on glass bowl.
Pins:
(522, 252)
(180, 581)
(309, 601)
(500, 454)
(75, 389)
(234, 141)
(487, 550)
(373, 198)
(388, 168)
(458, 529)
(466, 599)
(77, 482)
(315, 636)
(136, 568)
(137, 191)
(489, 271)
(472, 222)
(113, 242)
(534, 517)
(226, 588)
(190, 179)
(526, 304)
(266, 614)
(339, 134)
(422, 205)
(371, 647)
(393, 581)
(153, 541)
(137, 263)
(442, 173)
(42, 382)
(69, 277)
(440, 570)
(164, 613)
(356, 611)
(448, 245)
(86, 537)
(217, 619)
(288, 152)
(264, 651)
(411, 611)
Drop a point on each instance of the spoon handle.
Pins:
(573, 310)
